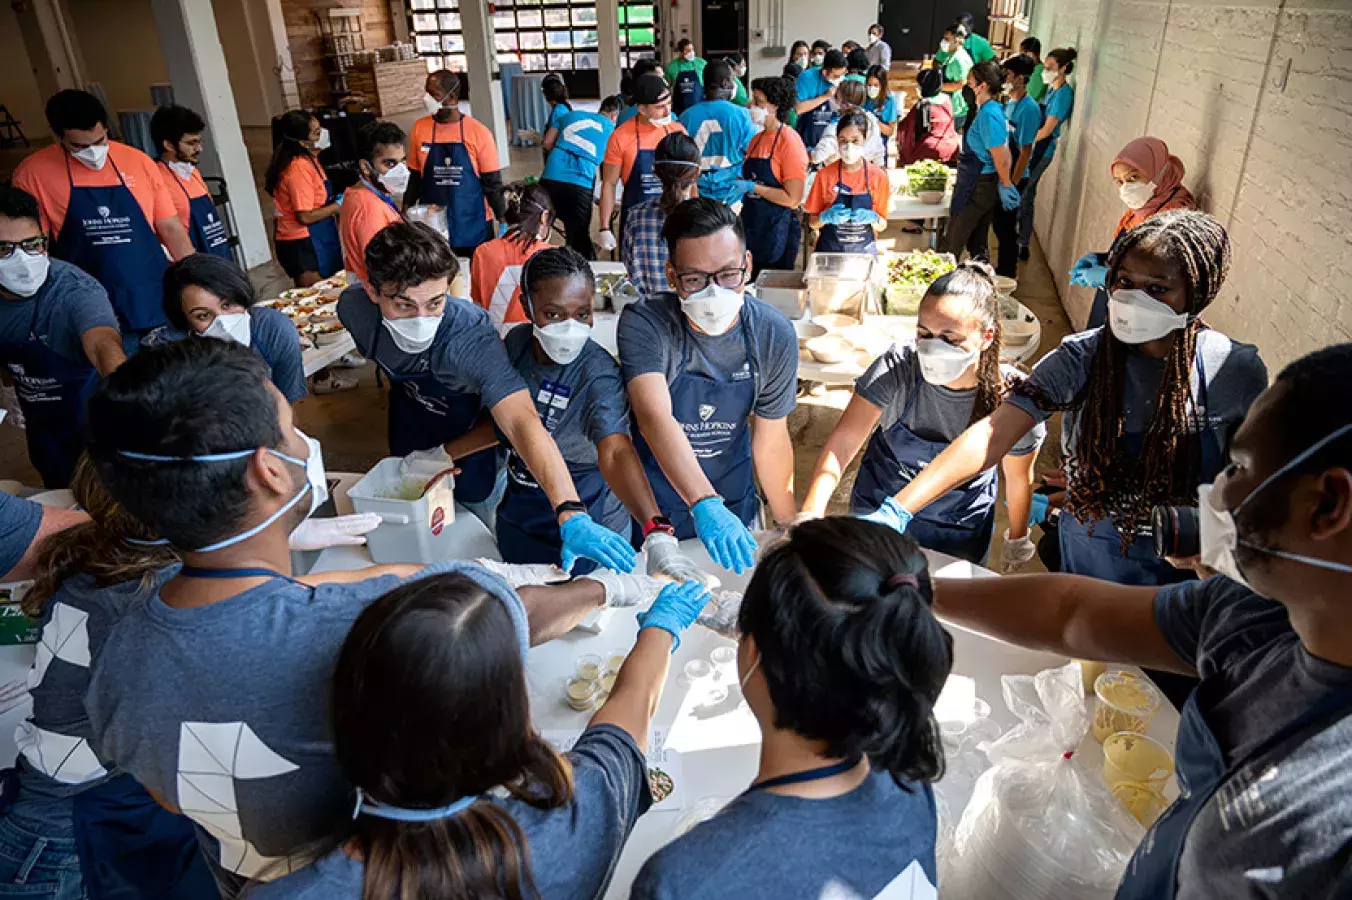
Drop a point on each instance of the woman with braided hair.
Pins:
(914, 400)
(1148, 400)
(495, 270)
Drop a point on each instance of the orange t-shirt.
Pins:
(363, 214)
(627, 139)
(302, 187)
(181, 192)
(44, 175)
(495, 288)
(789, 160)
(823, 194)
(478, 140)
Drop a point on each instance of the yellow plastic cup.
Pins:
(1131, 758)
(1126, 702)
(1146, 805)
(1089, 673)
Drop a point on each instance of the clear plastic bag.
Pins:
(1039, 825)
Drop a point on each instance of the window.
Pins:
(542, 35)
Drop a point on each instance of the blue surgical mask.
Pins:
(316, 483)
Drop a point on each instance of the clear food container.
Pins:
(785, 291)
(840, 283)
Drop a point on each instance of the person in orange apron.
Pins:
(307, 242)
(177, 133)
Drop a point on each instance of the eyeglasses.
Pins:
(34, 246)
(694, 282)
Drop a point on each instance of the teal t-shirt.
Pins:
(978, 48)
(580, 147)
(884, 108)
(1060, 103)
(988, 131)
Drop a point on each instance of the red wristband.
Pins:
(658, 523)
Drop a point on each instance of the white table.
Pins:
(318, 357)
(906, 206)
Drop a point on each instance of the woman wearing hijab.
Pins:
(1150, 181)
(928, 131)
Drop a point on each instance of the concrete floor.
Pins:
(352, 425)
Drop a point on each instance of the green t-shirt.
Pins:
(792, 120)
(740, 97)
(978, 48)
(1037, 88)
(956, 69)
(677, 66)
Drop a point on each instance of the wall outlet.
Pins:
(758, 35)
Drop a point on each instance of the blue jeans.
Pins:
(35, 866)
(1030, 198)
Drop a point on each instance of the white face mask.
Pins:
(431, 104)
(758, 115)
(396, 179)
(1136, 317)
(874, 92)
(662, 122)
(324, 140)
(818, 58)
(413, 335)
(741, 71)
(230, 327)
(873, 39)
(1136, 194)
(94, 157)
(851, 153)
(182, 169)
(563, 341)
(941, 363)
(713, 309)
(945, 46)
(1048, 76)
(1219, 532)
(23, 274)
(835, 81)
(688, 56)
(800, 62)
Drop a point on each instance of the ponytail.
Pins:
(975, 281)
(1065, 58)
(676, 165)
(295, 129)
(528, 207)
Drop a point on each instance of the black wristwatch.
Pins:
(569, 506)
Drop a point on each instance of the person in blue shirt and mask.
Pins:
(575, 145)
(881, 103)
(841, 660)
(816, 96)
(1058, 104)
(722, 130)
(712, 376)
(984, 169)
(1025, 118)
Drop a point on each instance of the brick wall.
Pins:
(307, 48)
(1256, 99)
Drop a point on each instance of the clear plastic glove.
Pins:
(835, 215)
(606, 241)
(427, 463)
(1016, 552)
(1009, 197)
(667, 560)
(338, 531)
(675, 610)
(520, 575)
(728, 541)
(865, 216)
(625, 589)
(720, 616)
(582, 537)
(1037, 513)
(1089, 272)
(744, 186)
(892, 514)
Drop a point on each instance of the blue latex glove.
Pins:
(864, 216)
(1089, 272)
(728, 541)
(1009, 197)
(1037, 513)
(835, 215)
(583, 537)
(502, 229)
(675, 609)
(892, 514)
(743, 186)
(339, 200)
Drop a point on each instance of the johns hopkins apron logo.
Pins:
(105, 211)
(705, 411)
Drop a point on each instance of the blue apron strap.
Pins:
(244, 572)
(818, 774)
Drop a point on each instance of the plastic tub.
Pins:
(839, 283)
(785, 291)
(1126, 702)
(411, 530)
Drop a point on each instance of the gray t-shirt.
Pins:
(653, 332)
(573, 848)
(1235, 376)
(69, 303)
(273, 337)
(937, 413)
(222, 711)
(19, 523)
(467, 355)
(1282, 825)
(767, 845)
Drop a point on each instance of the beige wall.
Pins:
(121, 49)
(1266, 152)
(18, 86)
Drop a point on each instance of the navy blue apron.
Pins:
(772, 231)
(960, 523)
(812, 124)
(425, 413)
(642, 184)
(685, 93)
(715, 414)
(969, 172)
(106, 234)
(449, 180)
(1152, 873)
(849, 237)
(1100, 556)
(205, 227)
(52, 393)
(324, 233)
(527, 528)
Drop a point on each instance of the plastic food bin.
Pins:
(411, 531)
(839, 283)
(785, 291)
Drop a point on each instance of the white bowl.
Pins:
(930, 198)
(807, 331)
(830, 349)
(1006, 285)
(835, 321)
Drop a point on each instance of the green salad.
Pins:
(918, 269)
(927, 175)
